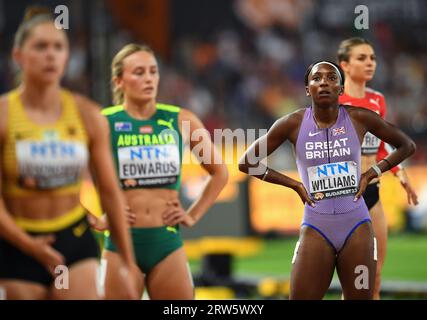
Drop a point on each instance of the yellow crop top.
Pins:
(39, 158)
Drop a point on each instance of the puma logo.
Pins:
(80, 229)
(374, 102)
(165, 123)
(171, 229)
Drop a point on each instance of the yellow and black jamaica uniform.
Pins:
(41, 159)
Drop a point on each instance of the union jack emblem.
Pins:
(338, 131)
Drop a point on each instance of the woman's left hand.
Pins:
(99, 224)
(365, 178)
(175, 214)
(410, 192)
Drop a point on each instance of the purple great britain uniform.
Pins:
(328, 162)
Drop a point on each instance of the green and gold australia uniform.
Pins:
(148, 154)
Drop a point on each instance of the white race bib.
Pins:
(51, 163)
(370, 144)
(149, 165)
(333, 179)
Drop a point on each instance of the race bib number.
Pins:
(141, 166)
(50, 164)
(333, 180)
(370, 144)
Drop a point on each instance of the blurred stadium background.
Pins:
(240, 64)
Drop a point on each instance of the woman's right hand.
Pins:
(101, 224)
(44, 253)
(303, 194)
(130, 216)
(128, 278)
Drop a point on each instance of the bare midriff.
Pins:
(149, 205)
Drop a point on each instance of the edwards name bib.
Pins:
(144, 166)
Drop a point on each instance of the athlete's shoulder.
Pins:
(4, 105)
(292, 119)
(3, 101)
(359, 114)
(3, 114)
(84, 103)
(90, 113)
(88, 108)
(287, 126)
(4, 98)
(371, 93)
(353, 109)
(188, 115)
(345, 99)
(168, 107)
(112, 110)
(297, 115)
(378, 99)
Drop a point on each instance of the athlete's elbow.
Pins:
(412, 147)
(243, 166)
(408, 148)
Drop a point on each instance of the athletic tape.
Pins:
(101, 274)
(190, 274)
(2, 293)
(295, 252)
(375, 250)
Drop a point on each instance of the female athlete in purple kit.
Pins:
(336, 229)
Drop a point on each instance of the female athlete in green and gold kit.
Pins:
(147, 139)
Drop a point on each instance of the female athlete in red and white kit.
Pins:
(357, 58)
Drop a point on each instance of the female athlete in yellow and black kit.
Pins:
(147, 139)
(48, 135)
